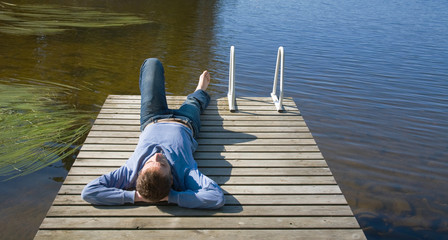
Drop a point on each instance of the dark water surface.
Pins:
(370, 77)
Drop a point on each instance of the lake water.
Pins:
(370, 77)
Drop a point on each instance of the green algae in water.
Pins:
(37, 128)
(52, 19)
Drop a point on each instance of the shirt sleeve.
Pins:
(202, 192)
(109, 189)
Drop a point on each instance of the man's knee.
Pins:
(152, 63)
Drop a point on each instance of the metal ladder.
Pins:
(278, 100)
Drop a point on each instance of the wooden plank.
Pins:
(226, 112)
(266, 171)
(123, 114)
(263, 148)
(211, 108)
(106, 115)
(287, 129)
(245, 211)
(113, 140)
(308, 199)
(236, 136)
(212, 155)
(174, 97)
(145, 223)
(249, 189)
(223, 100)
(272, 112)
(262, 123)
(282, 189)
(283, 129)
(211, 148)
(258, 155)
(214, 163)
(198, 234)
(217, 141)
(234, 180)
(212, 102)
(214, 135)
(105, 122)
(225, 171)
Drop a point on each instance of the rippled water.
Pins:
(370, 77)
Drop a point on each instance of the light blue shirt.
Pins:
(191, 189)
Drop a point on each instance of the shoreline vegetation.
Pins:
(37, 127)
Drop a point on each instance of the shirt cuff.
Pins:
(173, 197)
(129, 196)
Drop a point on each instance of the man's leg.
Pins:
(196, 103)
(152, 90)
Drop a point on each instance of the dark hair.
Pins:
(154, 185)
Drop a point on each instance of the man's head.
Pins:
(154, 180)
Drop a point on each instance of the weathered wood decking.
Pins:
(276, 181)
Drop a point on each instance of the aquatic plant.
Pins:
(37, 128)
(45, 19)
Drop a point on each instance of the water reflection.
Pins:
(105, 60)
(43, 19)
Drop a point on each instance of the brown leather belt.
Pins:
(172, 120)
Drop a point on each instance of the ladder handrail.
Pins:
(231, 90)
(278, 101)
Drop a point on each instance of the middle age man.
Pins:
(162, 167)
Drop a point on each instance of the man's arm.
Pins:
(109, 189)
(202, 193)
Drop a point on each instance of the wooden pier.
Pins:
(276, 182)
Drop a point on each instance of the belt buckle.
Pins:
(185, 122)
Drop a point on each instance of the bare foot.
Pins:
(204, 80)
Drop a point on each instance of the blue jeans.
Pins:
(153, 99)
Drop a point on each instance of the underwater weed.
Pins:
(37, 128)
